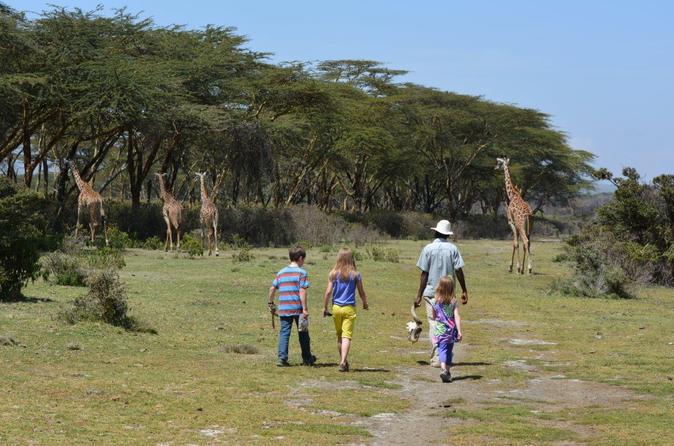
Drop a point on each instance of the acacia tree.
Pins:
(124, 96)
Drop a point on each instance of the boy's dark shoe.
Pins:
(282, 363)
(446, 377)
(344, 367)
(310, 362)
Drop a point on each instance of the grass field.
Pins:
(95, 384)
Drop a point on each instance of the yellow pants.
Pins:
(345, 318)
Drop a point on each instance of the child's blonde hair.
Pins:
(444, 292)
(345, 265)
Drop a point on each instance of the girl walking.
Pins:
(447, 328)
(343, 280)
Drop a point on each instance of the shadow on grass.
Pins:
(423, 363)
(325, 364)
(367, 369)
(25, 300)
(466, 377)
(459, 364)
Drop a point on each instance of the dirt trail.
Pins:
(470, 390)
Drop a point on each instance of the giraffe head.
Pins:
(501, 163)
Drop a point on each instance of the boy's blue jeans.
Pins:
(284, 338)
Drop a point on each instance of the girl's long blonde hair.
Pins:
(444, 292)
(345, 265)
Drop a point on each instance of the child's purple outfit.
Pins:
(445, 332)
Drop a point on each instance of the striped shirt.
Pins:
(288, 282)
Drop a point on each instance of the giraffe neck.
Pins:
(78, 179)
(163, 194)
(510, 189)
(204, 193)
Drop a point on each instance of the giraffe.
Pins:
(520, 218)
(209, 219)
(93, 201)
(172, 212)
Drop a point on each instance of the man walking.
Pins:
(438, 259)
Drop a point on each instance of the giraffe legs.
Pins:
(215, 235)
(525, 243)
(79, 212)
(515, 248)
(211, 236)
(527, 247)
(204, 241)
(105, 231)
(92, 231)
(178, 237)
(169, 237)
(529, 225)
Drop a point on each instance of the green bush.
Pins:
(382, 254)
(63, 269)
(192, 246)
(105, 258)
(152, 243)
(106, 301)
(243, 255)
(237, 242)
(118, 239)
(22, 236)
(599, 266)
(630, 241)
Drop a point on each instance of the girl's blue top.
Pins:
(344, 291)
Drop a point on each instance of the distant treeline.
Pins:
(125, 98)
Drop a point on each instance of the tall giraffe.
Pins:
(520, 218)
(209, 219)
(172, 212)
(93, 201)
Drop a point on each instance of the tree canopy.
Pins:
(124, 98)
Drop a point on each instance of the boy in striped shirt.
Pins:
(292, 283)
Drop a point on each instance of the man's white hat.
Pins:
(443, 227)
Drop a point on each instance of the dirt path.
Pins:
(470, 390)
(430, 401)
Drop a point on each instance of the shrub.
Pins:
(389, 222)
(417, 225)
(238, 242)
(316, 227)
(63, 269)
(630, 241)
(192, 246)
(599, 266)
(382, 254)
(358, 255)
(106, 302)
(118, 239)
(22, 236)
(243, 255)
(153, 243)
(105, 258)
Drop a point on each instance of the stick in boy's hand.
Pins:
(272, 310)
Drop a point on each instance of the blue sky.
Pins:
(603, 70)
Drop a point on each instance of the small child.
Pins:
(292, 283)
(447, 328)
(342, 283)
